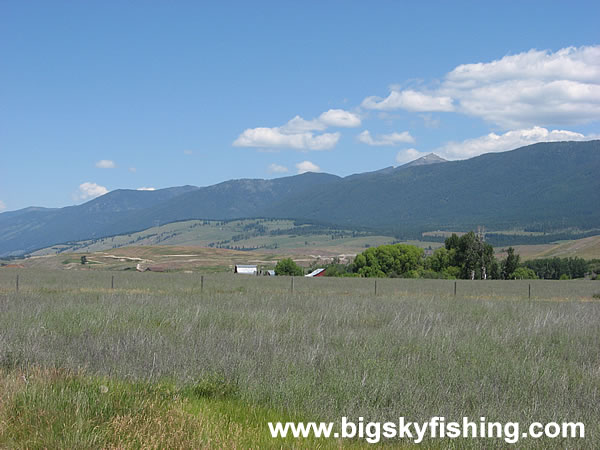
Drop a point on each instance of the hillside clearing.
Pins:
(587, 248)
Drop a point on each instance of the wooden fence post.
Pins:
(375, 288)
(17, 282)
(112, 282)
(529, 291)
(292, 285)
(201, 283)
(455, 288)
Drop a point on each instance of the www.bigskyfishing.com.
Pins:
(435, 428)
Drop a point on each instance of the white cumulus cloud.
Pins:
(299, 133)
(2, 205)
(340, 118)
(534, 87)
(385, 139)
(275, 138)
(507, 141)
(572, 63)
(307, 166)
(409, 100)
(106, 164)
(300, 125)
(89, 190)
(276, 168)
(537, 87)
(145, 189)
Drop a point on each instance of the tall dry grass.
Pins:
(329, 349)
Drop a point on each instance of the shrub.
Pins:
(397, 260)
(523, 273)
(287, 266)
(451, 272)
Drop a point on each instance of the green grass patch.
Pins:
(52, 408)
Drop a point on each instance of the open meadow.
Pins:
(257, 234)
(166, 360)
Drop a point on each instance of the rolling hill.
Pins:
(125, 211)
(548, 185)
(32, 228)
(262, 235)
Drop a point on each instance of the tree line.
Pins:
(464, 257)
(563, 268)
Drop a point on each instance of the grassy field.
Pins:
(202, 259)
(171, 258)
(587, 248)
(194, 246)
(157, 361)
(57, 408)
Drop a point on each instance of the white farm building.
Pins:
(245, 269)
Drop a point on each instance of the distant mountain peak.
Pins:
(430, 158)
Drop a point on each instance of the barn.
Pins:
(316, 273)
(245, 269)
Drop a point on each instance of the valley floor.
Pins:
(162, 361)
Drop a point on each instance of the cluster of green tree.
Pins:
(467, 257)
(394, 260)
(594, 268)
(241, 248)
(338, 269)
(287, 266)
(242, 237)
(255, 227)
(561, 268)
(309, 230)
(165, 236)
(512, 269)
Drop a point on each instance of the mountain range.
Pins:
(548, 184)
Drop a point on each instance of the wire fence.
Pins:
(54, 281)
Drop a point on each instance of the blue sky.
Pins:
(97, 96)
